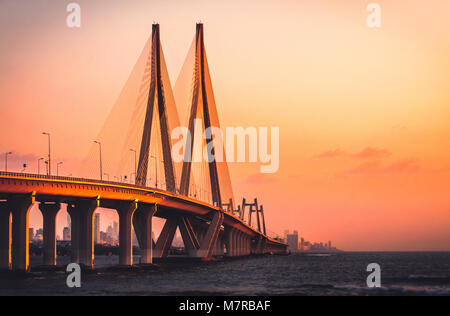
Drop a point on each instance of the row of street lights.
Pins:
(47, 162)
(135, 164)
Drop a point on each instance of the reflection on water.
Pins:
(337, 274)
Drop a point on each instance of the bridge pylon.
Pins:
(201, 103)
(157, 101)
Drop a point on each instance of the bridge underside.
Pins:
(206, 232)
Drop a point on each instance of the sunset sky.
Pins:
(363, 113)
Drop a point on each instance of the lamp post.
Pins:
(57, 167)
(39, 166)
(107, 175)
(6, 160)
(135, 174)
(100, 149)
(49, 156)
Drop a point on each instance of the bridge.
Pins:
(210, 226)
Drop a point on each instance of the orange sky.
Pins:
(363, 113)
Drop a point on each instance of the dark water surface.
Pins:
(337, 274)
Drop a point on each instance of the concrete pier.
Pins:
(82, 218)
(20, 206)
(142, 222)
(165, 238)
(49, 212)
(5, 236)
(126, 210)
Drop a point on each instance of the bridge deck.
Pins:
(68, 189)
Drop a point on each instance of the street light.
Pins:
(57, 167)
(49, 157)
(39, 166)
(100, 148)
(135, 174)
(106, 175)
(6, 160)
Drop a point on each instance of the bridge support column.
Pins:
(142, 222)
(20, 207)
(210, 238)
(241, 244)
(165, 238)
(75, 222)
(235, 243)
(82, 218)
(219, 245)
(227, 241)
(5, 236)
(49, 212)
(126, 211)
(260, 245)
(247, 245)
(190, 239)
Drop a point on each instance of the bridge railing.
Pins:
(65, 178)
(77, 179)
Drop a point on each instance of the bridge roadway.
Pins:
(207, 230)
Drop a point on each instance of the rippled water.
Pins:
(338, 274)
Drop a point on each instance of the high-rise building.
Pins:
(69, 226)
(286, 232)
(66, 234)
(292, 241)
(329, 244)
(97, 228)
(103, 237)
(31, 233)
(116, 230)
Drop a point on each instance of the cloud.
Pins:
(330, 154)
(20, 158)
(366, 153)
(259, 178)
(370, 153)
(375, 168)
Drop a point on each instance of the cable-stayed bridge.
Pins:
(193, 195)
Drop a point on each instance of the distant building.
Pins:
(97, 228)
(292, 241)
(103, 237)
(115, 230)
(66, 234)
(109, 231)
(286, 232)
(31, 233)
